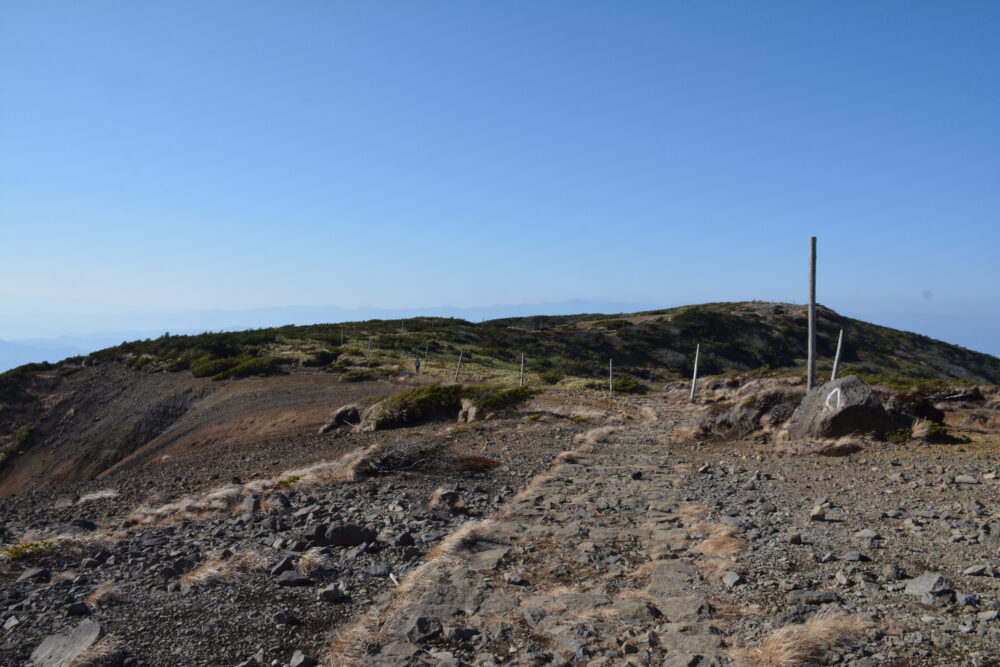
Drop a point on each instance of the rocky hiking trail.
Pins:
(636, 548)
(606, 536)
(590, 564)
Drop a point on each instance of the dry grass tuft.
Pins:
(796, 644)
(461, 540)
(104, 593)
(217, 569)
(689, 513)
(716, 568)
(685, 433)
(636, 594)
(101, 653)
(566, 457)
(310, 561)
(720, 540)
(103, 494)
(351, 647)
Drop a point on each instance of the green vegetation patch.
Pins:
(622, 385)
(27, 550)
(25, 432)
(422, 404)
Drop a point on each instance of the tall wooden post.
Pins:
(836, 358)
(521, 384)
(694, 376)
(342, 336)
(811, 362)
(426, 345)
(368, 354)
(459, 366)
(611, 378)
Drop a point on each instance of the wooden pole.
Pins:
(341, 336)
(459, 366)
(811, 362)
(611, 378)
(521, 384)
(836, 358)
(694, 376)
(368, 354)
(426, 345)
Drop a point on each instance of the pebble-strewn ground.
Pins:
(631, 547)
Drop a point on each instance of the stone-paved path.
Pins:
(590, 565)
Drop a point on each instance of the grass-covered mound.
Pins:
(436, 401)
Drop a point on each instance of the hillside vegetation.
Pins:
(649, 346)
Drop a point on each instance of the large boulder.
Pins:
(841, 407)
(348, 415)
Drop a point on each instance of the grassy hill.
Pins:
(649, 346)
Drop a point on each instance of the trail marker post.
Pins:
(341, 336)
(611, 378)
(458, 367)
(836, 358)
(811, 361)
(368, 354)
(694, 376)
(521, 383)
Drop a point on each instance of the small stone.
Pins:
(423, 628)
(817, 513)
(285, 617)
(975, 571)
(794, 538)
(514, 578)
(965, 479)
(768, 508)
(35, 575)
(637, 474)
(11, 623)
(285, 564)
(854, 556)
(333, 593)
(812, 597)
(732, 579)
(966, 600)
(300, 659)
(292, 578)
(928, 582)
(892, 572)
(77, 609)
(867, 534)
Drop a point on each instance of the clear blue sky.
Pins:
(191, 155)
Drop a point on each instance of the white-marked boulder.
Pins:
(842, 407)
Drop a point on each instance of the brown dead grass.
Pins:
(218, 569)
(350, 648)
(690, 513)
(796, 644)
(685, 433)
(461, 540)
(310, 561)
(716, 568)
(720, 540)
(103, 594)
(101, 653)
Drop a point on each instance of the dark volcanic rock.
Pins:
(839, 408)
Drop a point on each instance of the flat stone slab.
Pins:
(63, 650)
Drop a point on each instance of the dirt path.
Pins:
(589, 562)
